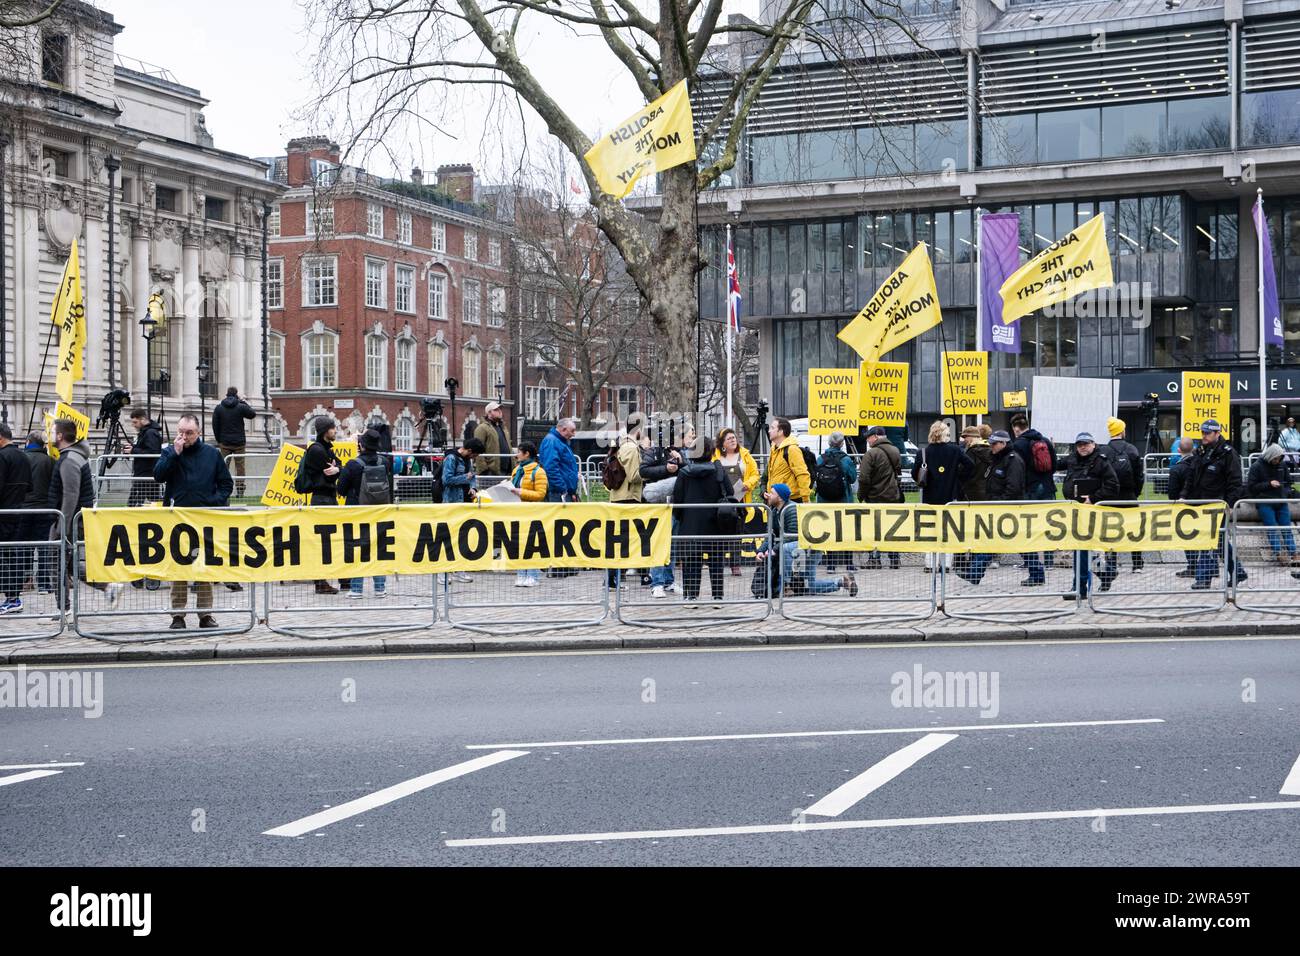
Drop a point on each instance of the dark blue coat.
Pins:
(196, 478)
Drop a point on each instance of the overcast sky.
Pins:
(251, 59)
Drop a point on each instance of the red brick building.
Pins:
(379, 291)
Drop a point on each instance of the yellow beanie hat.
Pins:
(1115, 427)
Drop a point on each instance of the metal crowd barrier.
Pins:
(407, 602)
(892, 586)
(1164, 574)
(1268, 554)
(143, 610)
(115, 483)
(1156, 469)
(695, 560)
(1001, 582)
(257, 468)
(33, 569)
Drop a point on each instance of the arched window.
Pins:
(376, 361)
(437, 366)
(471, 372)
(404, 378)
(320, 359)
(403, 434)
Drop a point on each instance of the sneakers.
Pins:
(461, 577)
(1032, 583)
(381, 593)
(658, 590)
(851, 585)
(234, 586)
(1185, 573)
(13, 606)
(114, 594)
(355, 595)
(178, 622)
(526, 583)
(1200, 585)
(205, 620)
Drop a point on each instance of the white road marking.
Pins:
(797, 828)
(1291, 786)
(821, 733)
(876, 776)
(29, 775)
(39, 766)
(381, 797)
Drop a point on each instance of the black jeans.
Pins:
(693, 561)
(36, 527)
(12, 574)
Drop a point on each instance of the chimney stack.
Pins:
(417, 176)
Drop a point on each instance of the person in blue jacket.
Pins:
(558, 461)
(458, 478)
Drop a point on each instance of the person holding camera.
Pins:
(228, 431)
(147, 446)
(1270, 478)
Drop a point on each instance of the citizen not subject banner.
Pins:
(1010, 528)
(304, 544)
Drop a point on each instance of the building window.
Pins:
(275, 361)
(374, 220)
(275, 283)
(376, 281)
(208, 326)
(437, 366)
(471, 245)
(472, 302)
(404, 228)
(494, 251)
(54, 58)
(319, 286)
(273, 222)
(56, 162)
(376, 361)
(496, 370)
(439, 242)
(322, 361)
(471, 373)
(627, 402)
(160, 355)
(164, 199)
(320, 219)
(323, 173)
(404, 288)
(437, 296)
(403, 434)
(214, 210)
(496, 307)
(542, 403)
(405, 369)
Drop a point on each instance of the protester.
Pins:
(558, 461)
(628, 455)
(1290, 437)
(700, 482)
(1089, 478)
(228, 431)
(659, 470)
(833, 481)
(743, 477)
(1127, 462)
(71, 487)
(194, 475)
(528, 482)
(878, 483)
(941, 471)
(147, 446)
(36, 523)
(1215, 474)
(785, 532)
(367, 480)
(1179, 470)
(320, 470)
(459, 481)
(494, 461)
(1006, 482)
(1270, 477)
(1035, 451)
(15, 485)
(785, 462)
(980, 454)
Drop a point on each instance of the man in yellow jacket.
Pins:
(785, 464)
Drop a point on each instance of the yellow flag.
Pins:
(69, 314)
(156, 310)
(62, 410)
(904, 306)
(1075, 263)
(658, 137)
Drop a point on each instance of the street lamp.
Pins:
(112, 164)
(451, 385)
(203, 369)
(149, 329)
(500, 388)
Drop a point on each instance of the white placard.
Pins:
(1060, 407)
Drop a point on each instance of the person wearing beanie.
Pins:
(1127, 462)
(320, 468)
(1270, 478)
(367, 480)
(785, 516)
(228, 432)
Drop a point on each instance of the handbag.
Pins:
(728, 519)
(923, 473)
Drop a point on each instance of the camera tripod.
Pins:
(115, 438)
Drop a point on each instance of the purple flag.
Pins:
(999, 240)
(1271, 320)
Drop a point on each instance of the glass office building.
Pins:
(1166, 119)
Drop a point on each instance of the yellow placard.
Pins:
(69, 314)
(1018, 399)
(905, 305)
(279, 487)
(1205, 396)
(882, 394)
(1075, 263)
(62, 410)
(50, 448)
(658, 137)
(832, 401)
(292, 544)
(1009, 529)
(964, 381)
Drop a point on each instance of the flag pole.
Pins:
(726, 284)
(1263, 370)
(979, 300)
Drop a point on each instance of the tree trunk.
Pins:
(669, 287)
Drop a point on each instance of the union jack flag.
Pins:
(734, 298)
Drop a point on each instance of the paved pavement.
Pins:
(1092, 752)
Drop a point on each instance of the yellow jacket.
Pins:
(748, 470)
(532, 486)
(785, 466)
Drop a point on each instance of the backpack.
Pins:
(612, 473)
(300, 481)
(809, 460)
(828, 477)
(374, 489)
(728, 515)
(1123, 469)
(1042, 458)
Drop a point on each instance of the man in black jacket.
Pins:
(36, 523)
(1178, 474)
(1039, 485)
(1127, 462)
(320, 467)
(228, 431)
(15, 483)
(1215, 474)
(71, 490)
(148, 442)
(1006, 482)
(195, 476)
(1089, 478)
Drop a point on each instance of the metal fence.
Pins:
(1263, 539)
(251, 472)
(351, 607)
(116, 485)
(32, 563)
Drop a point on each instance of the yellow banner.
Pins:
(305, 544)
(69, 314)
(964, 381)
(279, 487)
(882, 396)
(1075, 263)
(832, 401)
(1018, 399)
(62, 410)
(1205, 395)
(905, 305)
(658, 137)
(1009, 529)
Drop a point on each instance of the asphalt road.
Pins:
(194, 764)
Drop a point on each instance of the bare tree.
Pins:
(376, 58)
(16, 14)
(713, 374)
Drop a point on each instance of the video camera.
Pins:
(1151, 403)
(111, 405)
